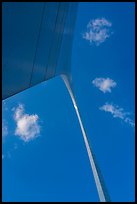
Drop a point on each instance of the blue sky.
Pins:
(53, 164)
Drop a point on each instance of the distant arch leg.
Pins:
(102, 192)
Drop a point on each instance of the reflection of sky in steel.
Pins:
(36, 44)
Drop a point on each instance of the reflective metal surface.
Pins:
(36, 43)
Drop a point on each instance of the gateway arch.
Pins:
(36, 46)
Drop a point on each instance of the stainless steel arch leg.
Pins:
(99, 184)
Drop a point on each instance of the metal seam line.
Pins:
(37, 44)
(61, 38)
(49, 56)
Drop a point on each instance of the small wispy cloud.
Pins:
(4, 128)
(27, 127)
(104, 84)
(118, 112)
(4, 106)
(98, 30)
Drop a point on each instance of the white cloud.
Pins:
(103, 84)
(98, 30)
(129, 121)
(4, 128)
(27, 125)
(4, 106)
(118, 113)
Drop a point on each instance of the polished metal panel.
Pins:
(36, 43)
